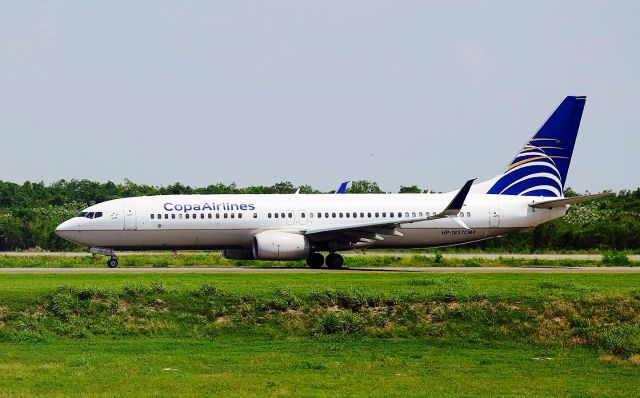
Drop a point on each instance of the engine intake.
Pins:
(280, 246)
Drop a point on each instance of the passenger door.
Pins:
(130, 217)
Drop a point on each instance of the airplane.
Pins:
(280, 227)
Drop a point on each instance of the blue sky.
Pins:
(314, 92)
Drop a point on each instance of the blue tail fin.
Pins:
(541, 166)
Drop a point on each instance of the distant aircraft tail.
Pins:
(540, 167)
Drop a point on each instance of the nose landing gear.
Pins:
(112, 262)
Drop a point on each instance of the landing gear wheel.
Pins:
(334, 261)
(112, 262)
(315, 260)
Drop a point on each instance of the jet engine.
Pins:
(238, 254)
(276, 245)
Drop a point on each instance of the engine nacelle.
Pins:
(238, 254)
(276, 245)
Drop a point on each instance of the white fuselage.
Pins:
(232, 221)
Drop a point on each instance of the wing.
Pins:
(373, 230)
(567, 201)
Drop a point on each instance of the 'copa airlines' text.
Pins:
(186, 207)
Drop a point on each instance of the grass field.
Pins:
(329, 334)
(252, 367)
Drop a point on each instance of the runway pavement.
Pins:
(247, 270)
(371, 253)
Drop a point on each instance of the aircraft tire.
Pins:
(315, 260)
(112, 262)
(334, 261)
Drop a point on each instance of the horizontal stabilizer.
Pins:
(567, 201)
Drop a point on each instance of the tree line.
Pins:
(29, 213)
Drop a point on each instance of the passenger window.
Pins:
(355, 215)
(348, 215)
(406, 214)
(340, 215)
(384, 214)
(209, 215)
(268, 215)
(166, 216)
(369, 215)
(326, 215)
(180, 215)
(413, 214)
(275, 215)
(217, 215)
(420, 214)
(391, 214)
(461, 214)
(377, 214)
(333, 215)
(319, 215)
(468, 214)
(255, 215)
(226, 215)
(302, 215)
(239, 215)
(232, 215)
(186, 215)
(361, 215)
(152, 216)
(290, 215)
(159, 216)
(173, 216)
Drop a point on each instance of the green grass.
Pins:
(256, 367)
(330, 334)
(502, 286)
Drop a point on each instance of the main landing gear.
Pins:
(333, 261)
(315, 260)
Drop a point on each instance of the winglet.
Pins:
(343, 187)
(456, 203)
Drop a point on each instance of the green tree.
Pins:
(410, 189)
(364, 186)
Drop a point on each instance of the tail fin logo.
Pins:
(540, 168)
(533, 172)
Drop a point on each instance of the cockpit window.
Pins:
(90, 214)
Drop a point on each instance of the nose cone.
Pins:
(66, 229)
